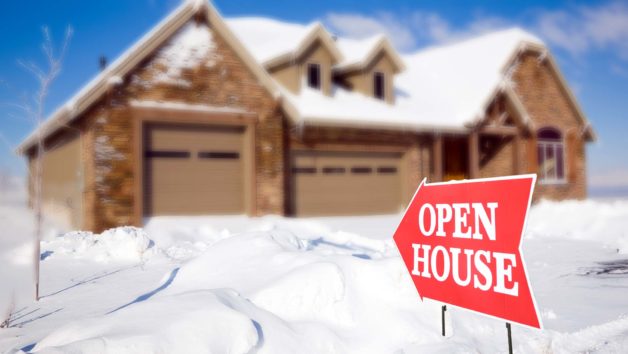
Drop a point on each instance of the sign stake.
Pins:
(509, 338)
(443, 308)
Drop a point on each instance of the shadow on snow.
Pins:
(87, 280)
(150, 294)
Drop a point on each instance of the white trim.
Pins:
(317, 32)
(553, 144)
(182, 106)
(390, 125)
(511, 95)
(382, 45)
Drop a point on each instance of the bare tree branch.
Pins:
(33, 69)
(45, 78)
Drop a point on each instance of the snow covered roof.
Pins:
(266, 38)
(359, 53)
(273, 42)
(452, 84)
(445, 87)
(346, 108)
(113, 74)
(269, 39)
(355, 50)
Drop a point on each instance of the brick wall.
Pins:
(496, 156)
(548, 104)
(220, 79)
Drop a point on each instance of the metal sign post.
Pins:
(443, 309)
(509, 338)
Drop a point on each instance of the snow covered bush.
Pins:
(126, 243)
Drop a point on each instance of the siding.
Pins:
(362, 81)
(62, 180)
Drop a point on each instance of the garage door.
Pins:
(193, 170)
(345, 183)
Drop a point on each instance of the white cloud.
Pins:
(438, 30)
(359, 26)
(577, 29)
(559, 29)
(409, 30)
(431, 26)
(582, 29)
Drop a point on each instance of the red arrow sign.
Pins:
(461, 243)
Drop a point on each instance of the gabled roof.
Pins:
(447, 86)
(544, 56)
(454, 83)
(134, 55)
(444, 87)
(266, 38)
(360, 54)
(274, 43)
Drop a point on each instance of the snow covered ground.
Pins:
(277, 285)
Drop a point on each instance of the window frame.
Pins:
(320, 75)
(544, 145)
(381, 74)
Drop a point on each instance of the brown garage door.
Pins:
(193, 170)
(345, 183)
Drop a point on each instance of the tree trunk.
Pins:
(38, 211)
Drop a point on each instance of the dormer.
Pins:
(309, 64)
(371, 69)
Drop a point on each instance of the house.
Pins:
(206, 115)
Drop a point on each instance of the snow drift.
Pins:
(604, 222)
(277, 285)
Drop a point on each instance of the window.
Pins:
(551, 156)
(314, 76)
(387, 169)
(379, 86)
(333, 170)
(305, 170)
(218, 155)
(168, 154)
(361, 170)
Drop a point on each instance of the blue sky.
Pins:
(589, 40)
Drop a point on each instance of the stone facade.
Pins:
(220, 78)
(499, 160)
(226, 82)
(541, 92)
